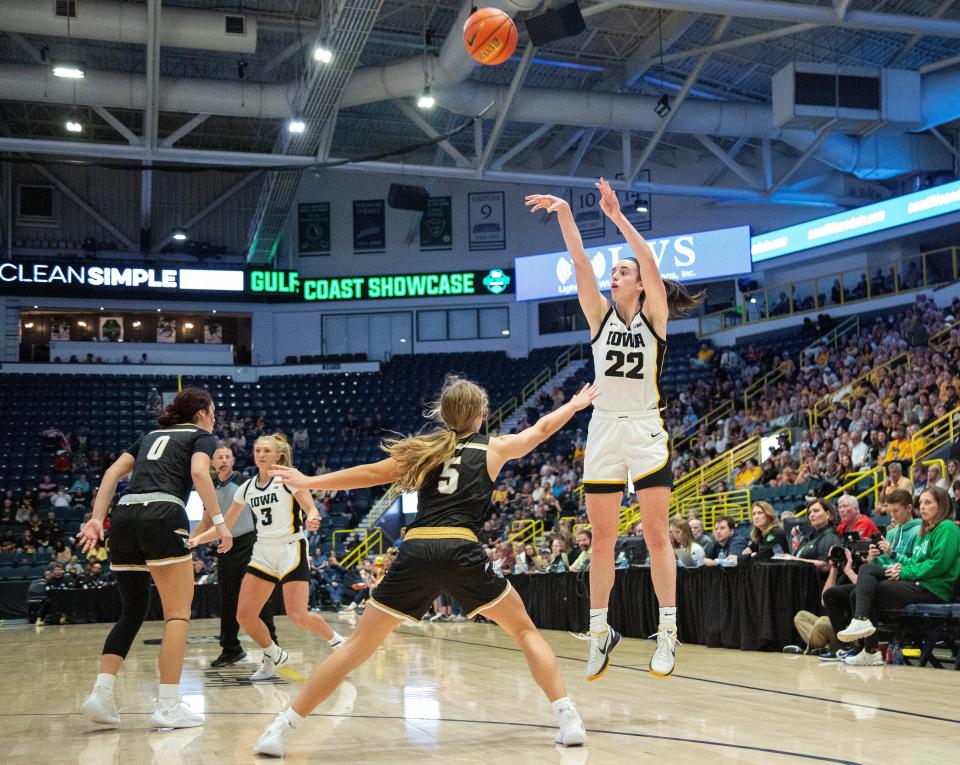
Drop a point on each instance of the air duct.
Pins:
(127, 23)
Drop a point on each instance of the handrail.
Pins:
(528, 531)
(936, 434)
(834, 336)
(348, 531)
(877, 474)
(845, 392)
(941, 337)
(382, 505)
(761, 383)
(936, 267)
(496, 418)
(359, 552)
(710, 418)
(709, 506)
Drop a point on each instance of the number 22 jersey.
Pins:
(275, 510)
(628, 362)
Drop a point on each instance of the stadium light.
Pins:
(322, 54)
(68, 71)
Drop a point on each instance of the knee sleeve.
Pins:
(135, 597)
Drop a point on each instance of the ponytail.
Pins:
(680, 300)
(416, 456)
(188, 403)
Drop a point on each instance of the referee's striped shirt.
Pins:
(225, 492)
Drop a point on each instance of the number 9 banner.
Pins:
(486, 221)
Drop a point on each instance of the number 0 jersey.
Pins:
(627, 363)
(163, 459)
(457, 492)
(275, 510)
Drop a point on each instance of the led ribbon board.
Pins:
(869, 219)
(684, 257)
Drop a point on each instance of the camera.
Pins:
(858, 547)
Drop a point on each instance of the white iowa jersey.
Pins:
(276, 512)
(628, 362)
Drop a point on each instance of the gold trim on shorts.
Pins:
(170, 561)
(441, 532)
(390, 611)
(492, 603)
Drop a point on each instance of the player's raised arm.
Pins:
(592, 303)
(516, 445)
(359, 477)
(655, 293)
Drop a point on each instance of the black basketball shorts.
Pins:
(148, 534)
(424, 567)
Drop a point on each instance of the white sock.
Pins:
(105, 681)
(561, 705)
(668, 617)
(598, 619)
(273, 651)
(337, 637)
(292, 717)
(169, 694)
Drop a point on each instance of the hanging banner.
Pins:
(167, 329)
(486, 221)
(212, 332)
(314, 228)
(436, 225)
(369, 226)
(636, 205)
(585, 205)
(111, 329)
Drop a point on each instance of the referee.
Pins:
(232, 565)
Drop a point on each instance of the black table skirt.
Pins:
(749, 607)
(103, 605)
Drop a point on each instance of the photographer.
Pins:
(928, 576)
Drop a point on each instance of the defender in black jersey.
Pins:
(453, 469)
(148, 541)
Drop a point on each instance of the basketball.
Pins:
(490, 36)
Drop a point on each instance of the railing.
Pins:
(358, 553)
(720, 467)
(710, 418)
(496, 418)
(846, 392)
(941, 339)
(935, 435)
(736, 504)
(362, 532)
(382, 505)
(837, 289)
(525, 530)
(854, 485)
(833, 338)
(761, 383)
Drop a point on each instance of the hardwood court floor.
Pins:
(460, 693)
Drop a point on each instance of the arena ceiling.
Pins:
(157, 88)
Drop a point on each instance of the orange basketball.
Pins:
(490, 36)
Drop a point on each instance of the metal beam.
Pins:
(478, 139)
(150, 115)
(840, 8)
(241, 184)
(503, 111)
(805, 12)
(734, 153)
(561, 146)
(581, 151)
(729, 161)
(522, 144)
(678, 100)
(30, 50)
(946, 143)
(773, 34)
(673, 27)
(293, 48)
(626, 152)
(766, 152)
(414, 116)
(131, 138)
(83, 205)
(187, 127)
(910, 44)
(943, 63)
(798, 164)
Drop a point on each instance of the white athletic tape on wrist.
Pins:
(218, 519)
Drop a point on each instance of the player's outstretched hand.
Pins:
(226, 542)
(585, 396)
(546, 202)
(313, 522)
(608, 198)
(289, 476)
(90, 535)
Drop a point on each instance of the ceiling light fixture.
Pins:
(73, 124)
(426, 101)
(322, 54)
(663, 106)
(180, 235)
(296, 125)
(68, 71)
(642, 206)
(28, 325)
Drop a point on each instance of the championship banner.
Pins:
(486, 221)
(314, 228)
(369, 225)
(436, 225)
(585, 205)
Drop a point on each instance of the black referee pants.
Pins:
(231, 568)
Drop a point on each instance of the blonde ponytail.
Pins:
(460, 403)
